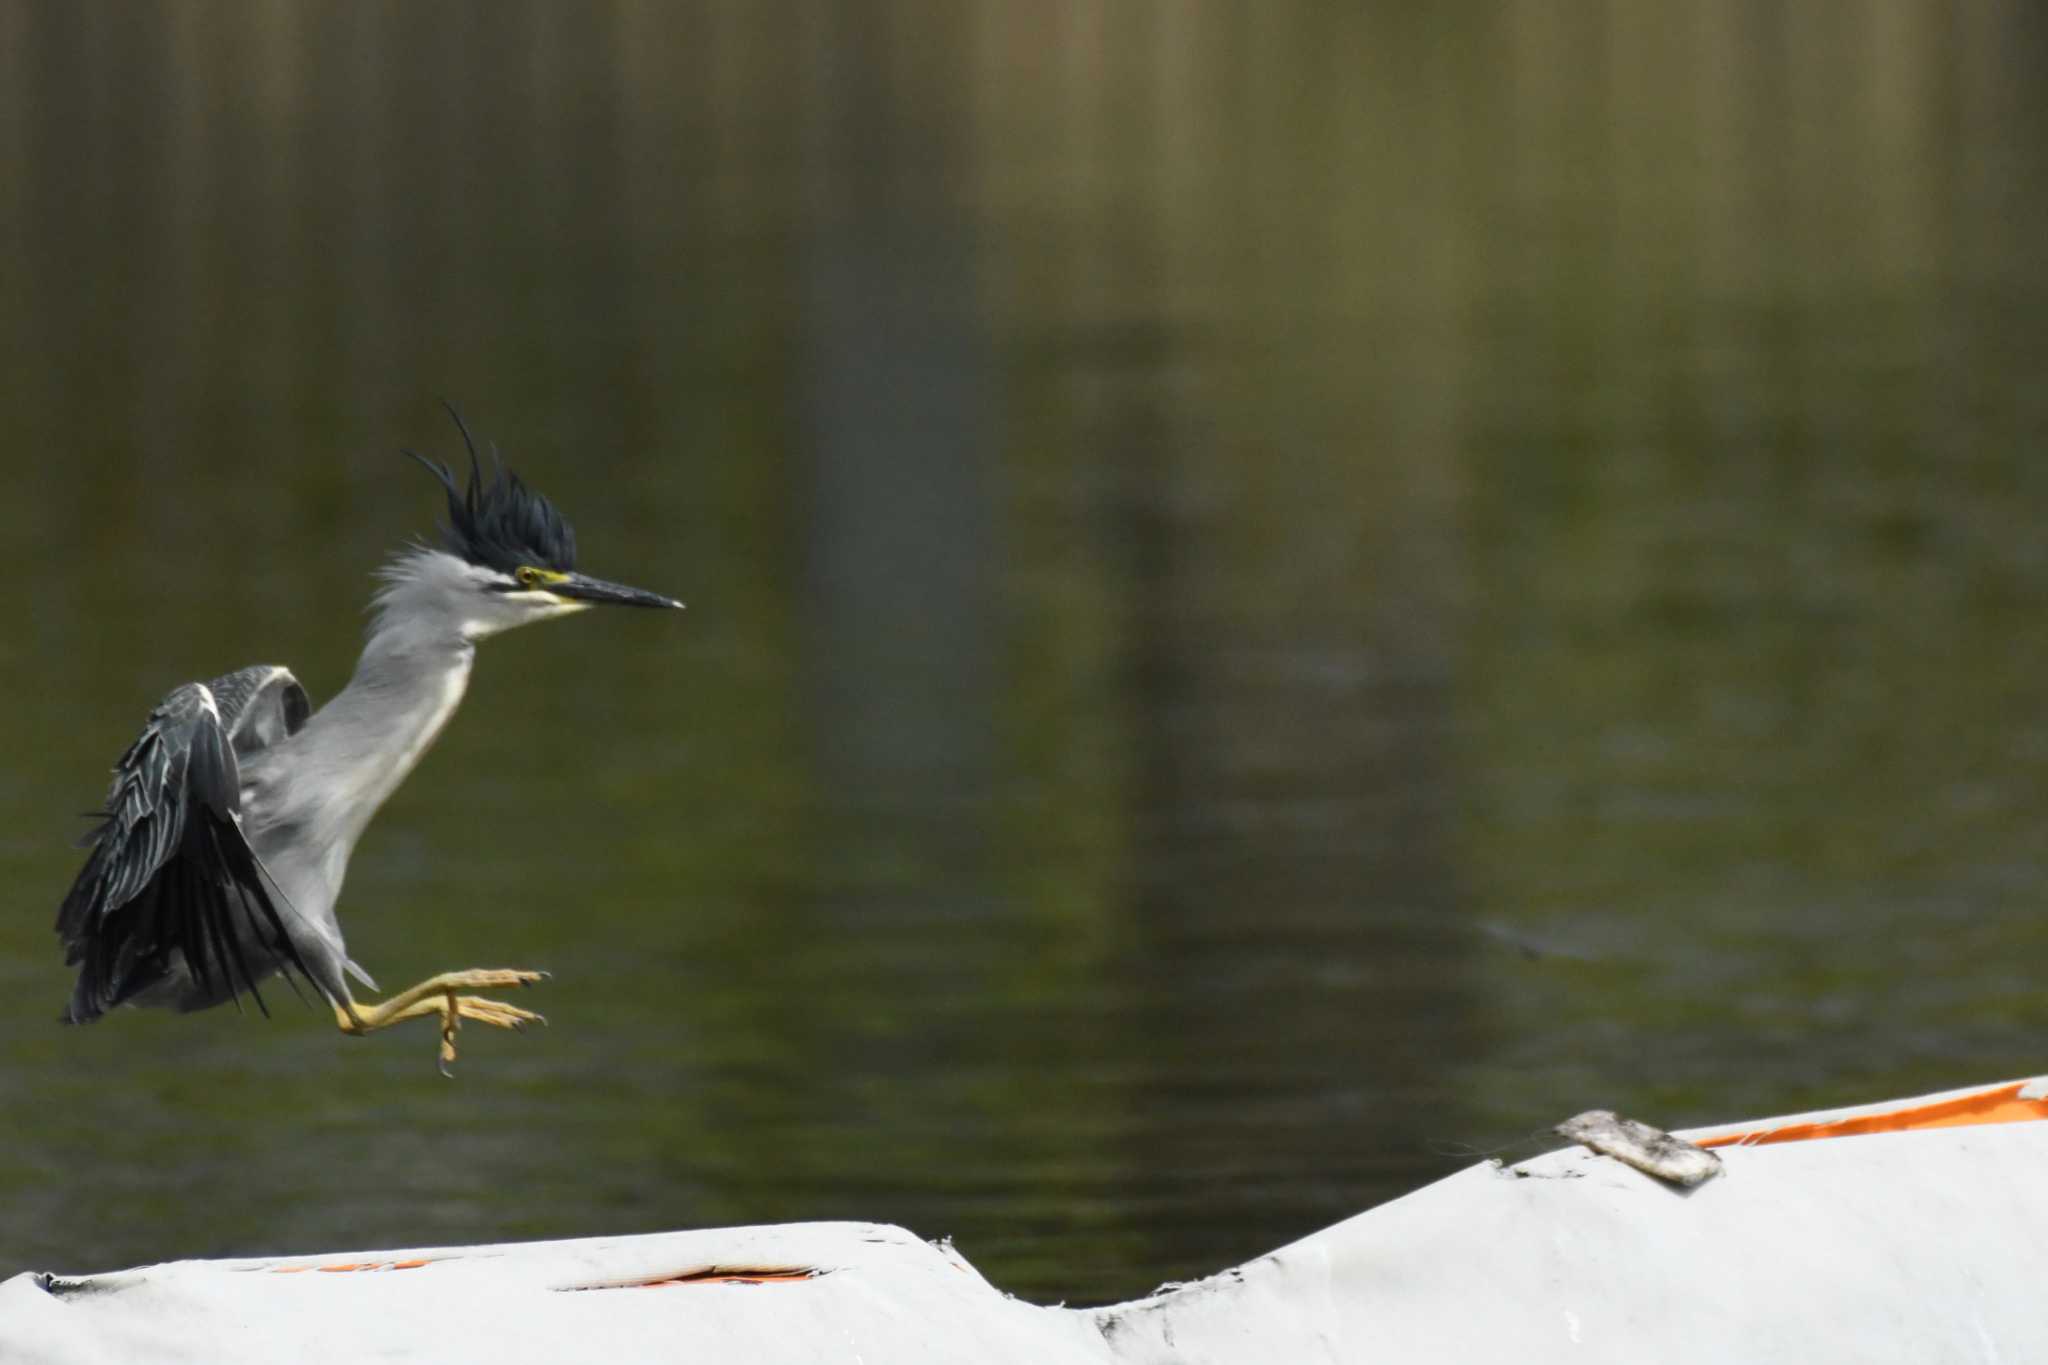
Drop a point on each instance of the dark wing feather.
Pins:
(170, 873)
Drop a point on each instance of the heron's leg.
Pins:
(438, 995)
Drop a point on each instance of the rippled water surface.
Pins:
(1280, 595)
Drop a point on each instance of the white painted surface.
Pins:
(1904, 1247)
(888, 1298)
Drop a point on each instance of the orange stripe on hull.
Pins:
(2000, 1104)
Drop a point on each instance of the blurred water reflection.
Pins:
(1279, 593)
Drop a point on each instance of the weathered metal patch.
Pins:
(1650, 1150)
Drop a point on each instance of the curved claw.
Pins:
(479, 1010)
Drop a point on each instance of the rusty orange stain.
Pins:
(2000, 1104)
(340, 1266)
(720, 1275)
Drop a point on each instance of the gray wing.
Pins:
(170, 875)
(259, 706)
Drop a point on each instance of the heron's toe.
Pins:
(496, 1013)
(493, 978)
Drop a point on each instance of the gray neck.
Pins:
(356, 749)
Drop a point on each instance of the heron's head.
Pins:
(509, 557)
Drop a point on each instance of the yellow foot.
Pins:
(438, 995)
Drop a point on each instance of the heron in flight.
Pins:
(227, 830)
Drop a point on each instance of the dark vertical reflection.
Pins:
(1299, 937)
(894, 423)
(895, 491)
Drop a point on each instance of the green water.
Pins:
(1279, 594)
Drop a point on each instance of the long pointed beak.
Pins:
(581, 588)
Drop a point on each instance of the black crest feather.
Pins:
(502, 523)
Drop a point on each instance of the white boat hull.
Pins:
(1918, 1246)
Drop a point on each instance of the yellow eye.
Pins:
(528, 577)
